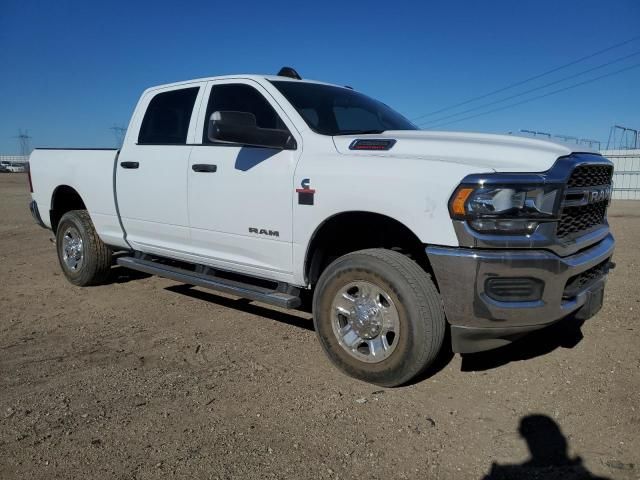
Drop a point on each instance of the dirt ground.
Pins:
(144, 378)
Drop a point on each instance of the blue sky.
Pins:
(73, 69)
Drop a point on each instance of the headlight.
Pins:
(508, 209)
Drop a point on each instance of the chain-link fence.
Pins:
(626, 173)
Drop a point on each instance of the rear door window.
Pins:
(166, 120)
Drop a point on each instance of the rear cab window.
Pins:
(166, 121)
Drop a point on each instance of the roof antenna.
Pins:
(289, 72)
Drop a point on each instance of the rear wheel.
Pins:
(378, 316)
(84, 258)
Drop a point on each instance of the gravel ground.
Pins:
(146, 378)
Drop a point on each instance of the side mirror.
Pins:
(241, 128)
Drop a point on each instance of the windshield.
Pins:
(330, 110)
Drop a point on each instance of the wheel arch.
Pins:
(64, 199)
(364, 229)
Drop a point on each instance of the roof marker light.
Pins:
(289, 72)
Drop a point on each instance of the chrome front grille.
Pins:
(580, 213)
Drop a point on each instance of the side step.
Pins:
(233, 287)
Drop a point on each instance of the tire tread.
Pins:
(97, 255)
(427, 308)
(428, 298)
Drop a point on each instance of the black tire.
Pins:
(415, 298)
(95, 263)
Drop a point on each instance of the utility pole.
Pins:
(25, 142)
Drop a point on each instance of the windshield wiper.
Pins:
(357, 132)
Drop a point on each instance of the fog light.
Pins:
(514, 289)
(504, 226)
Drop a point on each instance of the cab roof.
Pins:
(255, 77)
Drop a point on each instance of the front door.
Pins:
(240, 197)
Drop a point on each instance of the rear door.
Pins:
(240, 197)
(151, 172)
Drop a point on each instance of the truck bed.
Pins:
(90, 172)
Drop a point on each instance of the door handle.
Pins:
(204, 167)
(129, 164)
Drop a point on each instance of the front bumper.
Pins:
(479, 322)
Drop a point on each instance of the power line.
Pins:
(527, 80)
(539, 96)
(555, 82)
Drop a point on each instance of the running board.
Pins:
(233, 287)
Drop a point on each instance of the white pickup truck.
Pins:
(273, 187)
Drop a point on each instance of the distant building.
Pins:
(13, 163)
(14, 158)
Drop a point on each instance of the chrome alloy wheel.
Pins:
(72, 253)
(365, 321)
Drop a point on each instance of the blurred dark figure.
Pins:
(549, 460)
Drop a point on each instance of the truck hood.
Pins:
(500, 153)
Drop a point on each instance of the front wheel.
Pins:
(84, 258)
(378, 316)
